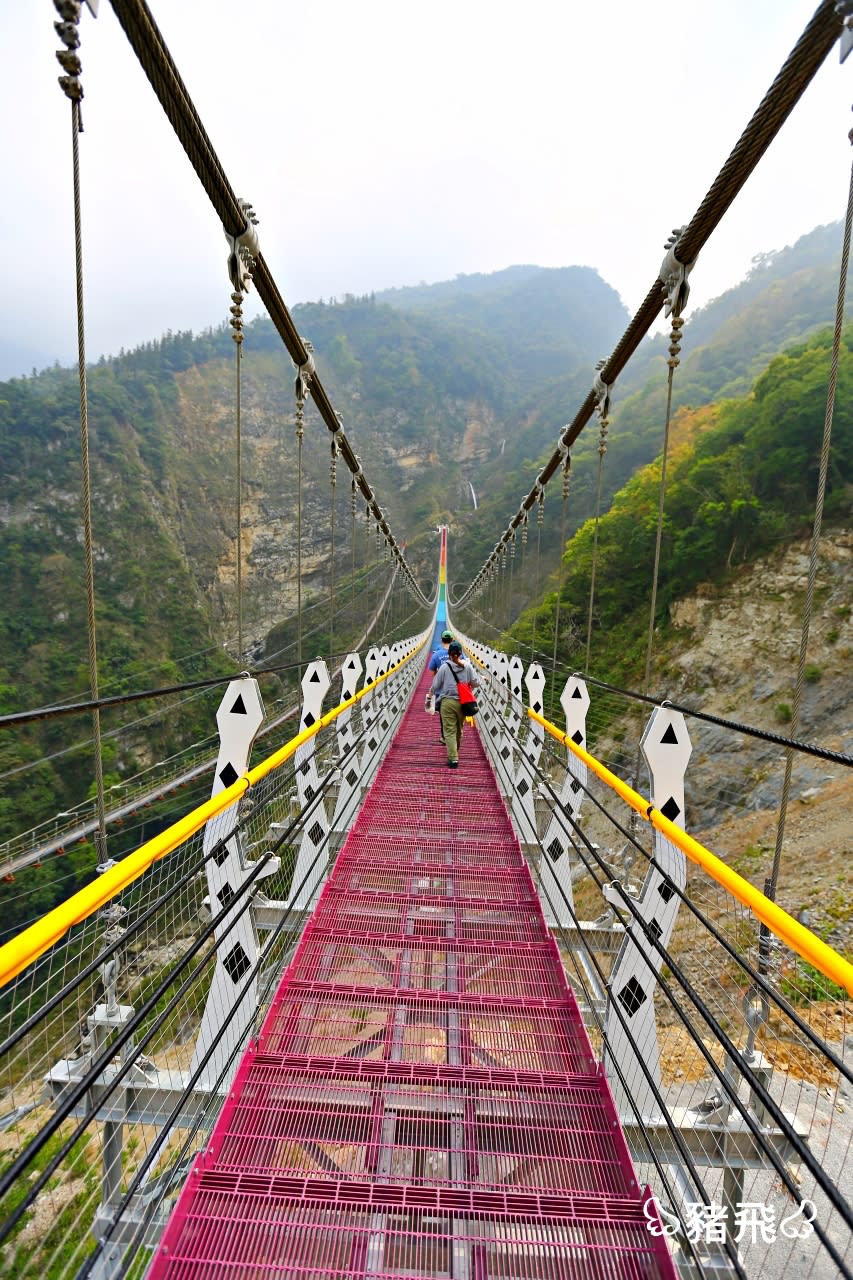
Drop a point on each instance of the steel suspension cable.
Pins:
(237, 335)
(352, 553)
(567, 472)
(794, 77)
(602, 450)
(750, 731)
(85, 475)
(155, 59)
(300, 434)
(628, 913)
(540, 515)
(672, 365)
(333, 479)
(816, 531)
(687, 902)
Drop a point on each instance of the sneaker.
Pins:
(453, 764)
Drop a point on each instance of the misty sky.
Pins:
(386, 143)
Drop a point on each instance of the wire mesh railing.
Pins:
(109, 1083)
(728, 1053)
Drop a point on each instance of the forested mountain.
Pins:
(726, 345)
(442, 389)
(549, 322)
(742, 478)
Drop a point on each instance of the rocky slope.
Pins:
(732, 652)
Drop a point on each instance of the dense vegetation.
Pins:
(742, 475)
(441, 387)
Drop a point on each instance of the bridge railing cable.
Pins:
(110, 1019)
(743, 1082)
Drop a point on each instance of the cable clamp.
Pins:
(674, 274)
(304, 373)
(244, 249)
(844, 10)
(601, 390)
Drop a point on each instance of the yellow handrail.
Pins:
(792, 933)
(33, 941)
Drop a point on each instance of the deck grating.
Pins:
(422, 1100)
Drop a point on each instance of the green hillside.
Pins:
(742, 478)
(442, 389)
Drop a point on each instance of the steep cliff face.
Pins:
(423, 475)
(734, 654)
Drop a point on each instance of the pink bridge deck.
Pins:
(422, 1101)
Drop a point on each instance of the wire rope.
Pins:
(794, 77)
(333, 466)
(602, 450)
(155, 59)
(816, 531)
(765, 735)
(672, 365)
(567, 474)
(237, 335)
(766, 1100)
(85, 473)
(300, 434)
(540, 515)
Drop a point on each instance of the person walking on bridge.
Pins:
(439, 656)
(444, 686)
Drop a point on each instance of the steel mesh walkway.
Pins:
(423, 1099)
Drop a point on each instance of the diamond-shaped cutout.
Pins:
(225, 893)
(665, 890)
(228, 775)
(371, 742)
(239, 708)
(555, 849)
(523, 787)
(221, 856)
(671, 809)
(577, 737)
(505, 753)
(537, 707)
(307, 720)
(309, 793)
(655, 930)
(574, 786)
(632, 996)
(352, 777)
(236, 962)
(316, 833)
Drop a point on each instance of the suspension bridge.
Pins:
(360, 1015)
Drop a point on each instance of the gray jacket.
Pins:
(443, 684)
